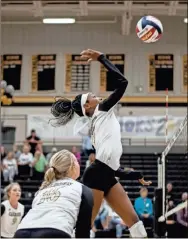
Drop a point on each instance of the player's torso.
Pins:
(11, 219)
(56, 206)
(106, 136)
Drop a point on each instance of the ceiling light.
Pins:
(58, 20)
(186, 20)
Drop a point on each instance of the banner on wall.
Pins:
(11, 67)
(161, 72)
(131, 127)
(43, 73)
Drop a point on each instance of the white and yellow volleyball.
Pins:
(149, 29)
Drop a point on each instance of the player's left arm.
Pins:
(119, 79)
(83, 225)
(120, 83)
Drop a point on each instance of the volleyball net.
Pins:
(178, 142)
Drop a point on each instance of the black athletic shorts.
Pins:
(41, 233)
(99, 176)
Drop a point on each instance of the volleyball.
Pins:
(149, 29)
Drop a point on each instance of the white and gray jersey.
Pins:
(64, 205)
(10, 218)
(105, 128)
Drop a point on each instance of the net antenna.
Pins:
(179, 138)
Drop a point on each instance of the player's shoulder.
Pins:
(69, 184)
(98, 113)
(85, 189)
(81, 187)
(76, 183)
(21, 205)
(5, 203)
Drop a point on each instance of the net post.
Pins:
(166, 117)
(163, 179)
(159, 170)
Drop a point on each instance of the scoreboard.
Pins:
(11, 66)
(161, 72)
(77, 74)
(43, 72)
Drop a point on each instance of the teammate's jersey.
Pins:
(10, 218)
(105, 128)
(63, 205)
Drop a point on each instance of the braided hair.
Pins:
(63, 110)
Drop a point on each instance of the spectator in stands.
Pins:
(182, 219)
(90, 160)
(87, 146)
(39, 148)
(49, 155)
(16, 152)
(144, 208)
(115, 222)
(9, 167)
(170, 193)
(171, 222)
(33, 140)
(76, 154)
(24, 162)
(3, 155)
(3, 152)
(39, 163)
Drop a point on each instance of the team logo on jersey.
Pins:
(14, 214)
(49, 196)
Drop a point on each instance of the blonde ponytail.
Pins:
(48, 178)
(60, 164)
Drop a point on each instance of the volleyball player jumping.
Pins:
(106, 138)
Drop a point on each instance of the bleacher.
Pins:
(177, 168)
(147, 163)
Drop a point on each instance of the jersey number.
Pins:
(49, 196)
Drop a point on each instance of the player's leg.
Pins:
(121, 204)
(98, 197)
(93, 178)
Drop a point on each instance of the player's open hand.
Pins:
(145, 183)
(90, 55)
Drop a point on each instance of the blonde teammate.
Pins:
(11, 210)
(61, 204)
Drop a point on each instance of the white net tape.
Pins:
(179, 139)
